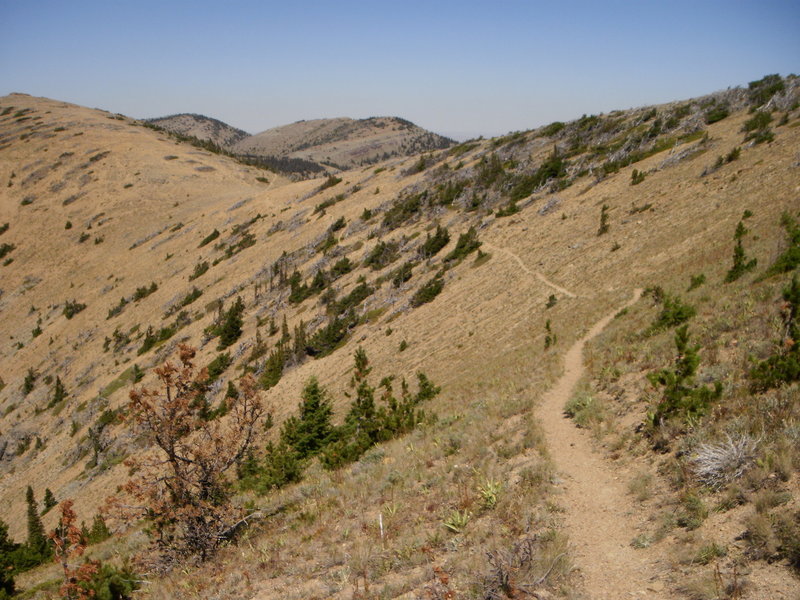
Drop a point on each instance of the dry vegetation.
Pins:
(160, 243)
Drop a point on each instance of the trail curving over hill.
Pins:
(530, 272)
(599, 513)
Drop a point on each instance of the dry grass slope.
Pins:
(469, 502)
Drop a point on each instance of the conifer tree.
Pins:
(59, 393)
(99, 531)
(29, 382)
(285, 335)
(740, 263)
(37, 540)
(681, 398)
(311, 430)
(49, 500)
(7, 548)
(231, 328)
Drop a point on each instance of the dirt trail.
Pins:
(530, 272)
(600, 514)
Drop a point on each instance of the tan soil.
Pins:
(600, 517)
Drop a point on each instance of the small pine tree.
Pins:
(99, 531)
(49, 500)
(273, 368)
(680, 397)
(286, 337)
(37, 540)
(603, 220)
(29, 382)
(7, 550)
(231, 328)
(740, 263)
(311, 430)
(550, 338)
(273, 328)
(300, 342)
(59, 393)
(783, 366)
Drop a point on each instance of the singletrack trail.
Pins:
(529, 271)
(599, 513)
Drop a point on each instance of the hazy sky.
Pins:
(461, 68)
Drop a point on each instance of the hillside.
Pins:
(202, 128)
(485, 265)
(343, 142)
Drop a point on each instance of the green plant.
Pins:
(230, 329)
(637, 177)
(428, 291)
(466, 244)
(331, 181)
(695, 281)
(144, 291)
(674, 312)
(218, 366)
(603, 229)
(509, 209)
(762, 90)
(457, 520)
(585, 410)
(789, 259)
(433, 244)
(716, 114)
(402, 273)
(6, 249)
(489, 491)
(709, 552)
(740, 263)
(382, 254)
(693, 511)
(311, 430)
(550, 338)
(59, 393)
(680, 397)
(784, 365)
(199, 269)
(29, 382)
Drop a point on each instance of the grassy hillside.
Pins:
(478, 265)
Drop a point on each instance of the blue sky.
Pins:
(462, 68)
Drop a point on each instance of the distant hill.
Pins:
(340, 143)
(344, 142)
(202, 128)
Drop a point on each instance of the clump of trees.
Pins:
(375, 415)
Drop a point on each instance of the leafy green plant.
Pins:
(637, 177)
(457, 520)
